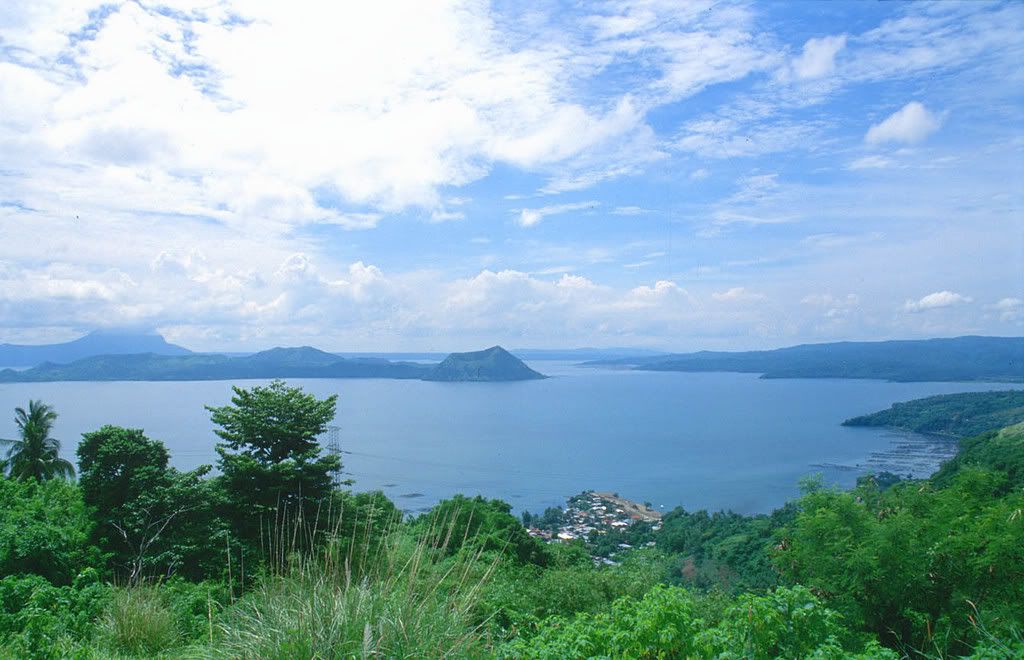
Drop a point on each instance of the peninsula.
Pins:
(994, 359)
(952, 415)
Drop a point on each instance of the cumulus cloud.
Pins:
(936, 300)
(818, 57)
(911, 123)
(531, 217)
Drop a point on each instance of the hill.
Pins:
(492, 364)
(302, 362)
(1001, 450)
(100, 342)
(998, 359)
(956, 415)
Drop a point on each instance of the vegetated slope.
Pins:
(956, 415)
(492, 364)
(105, 342)
(959, 359)
(1001, 450)
(303, 362)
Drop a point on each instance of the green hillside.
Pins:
(998, 359)
(956, 415)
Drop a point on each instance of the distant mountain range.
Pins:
(100, 342)
(999, 359)
(493, 364)
(134, 356)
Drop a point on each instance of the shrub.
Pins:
(44, 530)
(670, 622)
(37, 619)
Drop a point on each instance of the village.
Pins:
(593, 512)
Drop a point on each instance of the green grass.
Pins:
(407, 603)
(138, 623)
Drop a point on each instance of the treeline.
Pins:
(271, 557)
(956, 415)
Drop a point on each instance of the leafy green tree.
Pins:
(478, 524)
(44, 530)
(273, 474)
(35, 455)
(149, 516)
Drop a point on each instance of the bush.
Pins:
(518, 598)
(44, 530)
(38, 619)
(670, 622)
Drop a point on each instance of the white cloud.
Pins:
(1009, 309)
(738, 294)
(530, 217)
(699, 174)
(870, 162)
(911, 123)
(716, 137)
(818, 57)
(629, 210)
(936, 300)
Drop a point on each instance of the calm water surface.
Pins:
(715, 441)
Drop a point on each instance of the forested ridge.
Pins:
(955, 415)
(271, 556)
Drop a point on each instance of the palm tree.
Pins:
(36, 455)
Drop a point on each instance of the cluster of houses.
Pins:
(591, 512)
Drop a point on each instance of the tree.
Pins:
(483, 525)
(150, 517)
(35, 455)
(272, 471)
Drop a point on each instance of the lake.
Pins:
(700, 440)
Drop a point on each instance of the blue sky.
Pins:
(442, 176)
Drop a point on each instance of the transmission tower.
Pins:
(331, 440)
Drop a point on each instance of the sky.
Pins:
(395, 176)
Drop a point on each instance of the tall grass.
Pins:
(368, 593)
(138, 623)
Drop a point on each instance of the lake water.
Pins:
(715, 441)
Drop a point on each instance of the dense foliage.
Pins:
(675, 623)
(915, 564)
(956, 415)
(479, 525)
(138, 559)
(45, 530)
(1002, 451)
